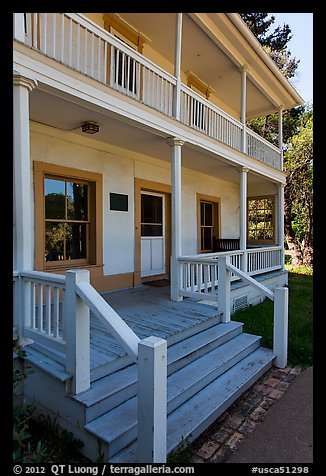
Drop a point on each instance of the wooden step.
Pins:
(112, 390)
(118, 427)
(124, 360)
(189, 420)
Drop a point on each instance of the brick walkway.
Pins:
(218, 442)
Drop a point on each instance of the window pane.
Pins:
(76, 201)
(151, 230)
(202, 213)
(206, 241)
(54, 241)
(76, 241)
(208, 214)
(54, 198)
(151, 209)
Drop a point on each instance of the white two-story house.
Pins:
(145, 213)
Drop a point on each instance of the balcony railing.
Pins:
(77, 42)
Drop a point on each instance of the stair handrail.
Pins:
(248, 279)
(106, 314)
(280, 297)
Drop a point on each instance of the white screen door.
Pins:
(152, 234)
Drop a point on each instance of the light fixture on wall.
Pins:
(90, 127)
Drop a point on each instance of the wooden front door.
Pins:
(153, 259)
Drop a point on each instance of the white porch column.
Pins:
(244, 107)
(281, 220)
(175, 272)
(243, 216)
(280, 134)
(23, 218)
(177, 66)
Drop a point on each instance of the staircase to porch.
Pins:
(207, 371)
(131, 370)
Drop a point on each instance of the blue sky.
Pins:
(301, 47)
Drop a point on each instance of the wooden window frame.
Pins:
(271, 241)
(216, 201)
(113, 22)
(193, 82)
(95, 240)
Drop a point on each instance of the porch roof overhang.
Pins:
(215, 47)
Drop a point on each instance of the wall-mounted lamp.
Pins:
(90, 127)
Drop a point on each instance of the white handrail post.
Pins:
(77, 327)
(280, 333)
(224, 292)
(152, 400)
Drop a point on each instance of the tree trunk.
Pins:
(295, 251)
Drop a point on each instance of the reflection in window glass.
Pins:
(66, 219)
(260, 219)
(54, 191)
(75, 241)
(54, 241)
(76, 201)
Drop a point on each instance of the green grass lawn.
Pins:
(259, 319)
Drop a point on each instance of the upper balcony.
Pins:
(146, 74)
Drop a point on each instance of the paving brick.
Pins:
(245, 409)
(272, 382)
(255, 399)
(221, 455)
(282, 386)
(289, 377)
(276, 394)
(234, 421)
(267, 403)
(258, 414)
(208, 449)
(222, 434)
(247, 427)
(264, 389)
(234, 440)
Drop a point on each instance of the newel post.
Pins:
(224, 292)
(77, 327)
(152, 400)
(280, 333)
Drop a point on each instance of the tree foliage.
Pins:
(298, 193)
(297, 141)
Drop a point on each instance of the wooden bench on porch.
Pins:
(226, 244)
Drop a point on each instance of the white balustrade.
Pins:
(39, 303)
(261, 149)
(54, 310)
(81, 44)
(264, 259)
(204, 116)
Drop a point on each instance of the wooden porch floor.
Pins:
(148, 310)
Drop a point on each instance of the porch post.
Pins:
(77, 327)
(22, 199)
(177, 66)
(243, 216)
(280, 135)
(152, 400)
(281, 221)
(176, 145)
(280, 330)
(244, 108)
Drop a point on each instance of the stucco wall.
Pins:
(119, 167)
